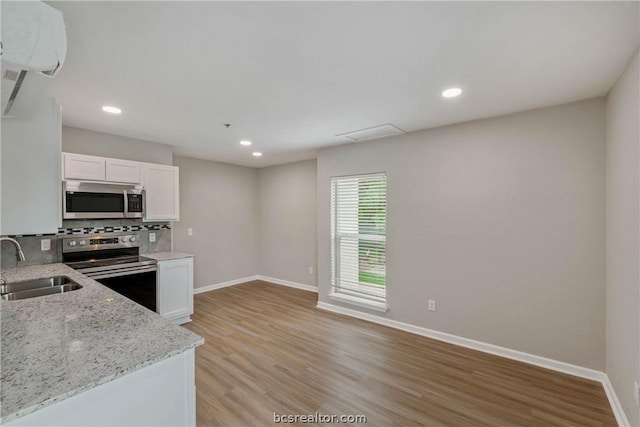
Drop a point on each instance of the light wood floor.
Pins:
(268, 349)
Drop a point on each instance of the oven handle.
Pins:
(118, 273)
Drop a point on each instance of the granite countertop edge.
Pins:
(167, 255)
(94, 300)
(33, 408)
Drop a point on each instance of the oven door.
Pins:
(139, 286)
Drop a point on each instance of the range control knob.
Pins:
(124, 239)
(132, 239)
(83, 242)
(72, 243)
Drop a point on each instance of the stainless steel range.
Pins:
(115, 262)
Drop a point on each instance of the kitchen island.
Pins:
(91, 357)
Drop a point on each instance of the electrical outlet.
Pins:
(432, 305)
(189, 231)
(152, 237)
(636, 393)
(310, 270)
(45, 244)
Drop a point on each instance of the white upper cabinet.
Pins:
(123, 171)
(31, 171)
(160, 182)
(79, 166)
(94, 168)
(162, 192)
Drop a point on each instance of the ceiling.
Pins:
(290, 76)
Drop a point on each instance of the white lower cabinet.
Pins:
(162, 394)
(175, 289)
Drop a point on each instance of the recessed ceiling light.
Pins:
(245, 142)
(257, 154)
(112, 110)
(452, 92)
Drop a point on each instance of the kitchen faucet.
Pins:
(19, 253)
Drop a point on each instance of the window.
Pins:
(358, 237)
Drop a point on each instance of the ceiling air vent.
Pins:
(11, 75)
(372, 133)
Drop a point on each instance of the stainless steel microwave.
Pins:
(83, 200)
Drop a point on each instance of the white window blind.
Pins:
(358, 236)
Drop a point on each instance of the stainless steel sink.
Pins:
(37, 287)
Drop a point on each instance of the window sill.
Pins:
(360, 302)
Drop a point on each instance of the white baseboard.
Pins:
(251, 278)
(223, 284)
(288, 283)
(508, 353)
(544, 362)
(616, 406)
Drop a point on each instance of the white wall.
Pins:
(247, 221)
(83, 141)
(623, 239)
(287, 222)
(500, 220)
(220, 203)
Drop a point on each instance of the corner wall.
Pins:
(247, 221)
(623, 238)
(287, 222)
(500, 220)
(220, 203)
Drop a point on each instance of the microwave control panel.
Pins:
(134, 202)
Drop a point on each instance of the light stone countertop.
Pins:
(56, 346)
(166, 256)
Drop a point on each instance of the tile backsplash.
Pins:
(103, 226)
(32, 253)
(31, 244)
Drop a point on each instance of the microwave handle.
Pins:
(126, 204)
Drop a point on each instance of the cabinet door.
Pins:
(162, 193)
(30, 171)
(79, 166)
(162, 394)
(175, 288)
(123, 171)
